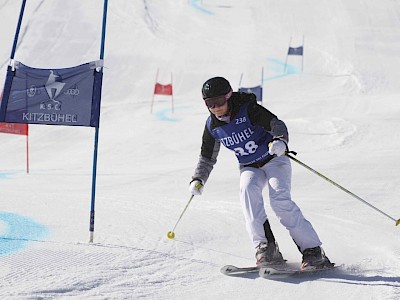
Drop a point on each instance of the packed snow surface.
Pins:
(340, 102)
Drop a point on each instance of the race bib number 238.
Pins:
(249, 148)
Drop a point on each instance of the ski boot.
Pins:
(314, 259)
(268, 254)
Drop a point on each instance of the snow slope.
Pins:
(343, 116)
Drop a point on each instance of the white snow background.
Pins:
(342, 112)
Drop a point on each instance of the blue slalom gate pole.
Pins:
(21, 14)
(7, 82)
(96, 137)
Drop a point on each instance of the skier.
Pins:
(259, 140)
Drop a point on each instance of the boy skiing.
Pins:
(259, 140)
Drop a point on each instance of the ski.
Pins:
(233, 270)
(273, 272)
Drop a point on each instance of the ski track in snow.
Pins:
(132, 271)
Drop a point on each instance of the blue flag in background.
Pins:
(295, 51)
(257, 90)
(69, 96)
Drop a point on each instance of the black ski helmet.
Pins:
(214, 87)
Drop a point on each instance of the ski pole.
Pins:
(340, 187)
(171, 234)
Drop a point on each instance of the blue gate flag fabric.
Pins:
(257, 90)
(69, 96)
(295, 51)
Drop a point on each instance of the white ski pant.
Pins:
(276, 174)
